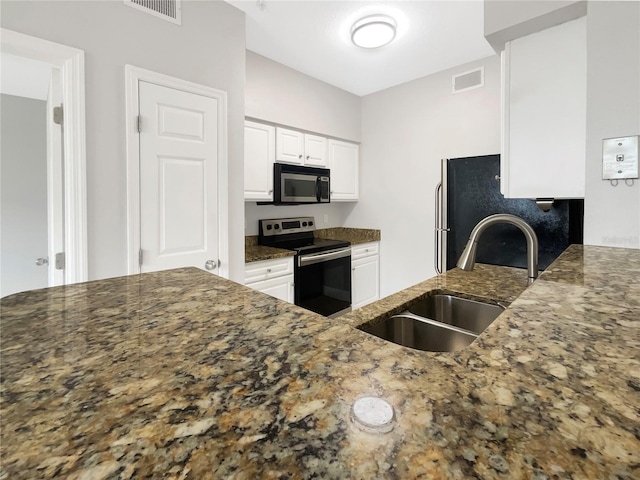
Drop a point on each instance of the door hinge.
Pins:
(139, 124)
(58, 115)
(60, 261)
(140, 257)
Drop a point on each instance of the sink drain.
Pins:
(373, 414)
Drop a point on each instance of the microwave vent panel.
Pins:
(169, 10)
(468, 80)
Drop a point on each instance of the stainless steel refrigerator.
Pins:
(470, 191)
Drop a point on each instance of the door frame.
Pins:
(70, 62)
(134, 75)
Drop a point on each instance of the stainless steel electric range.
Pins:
(322, 267)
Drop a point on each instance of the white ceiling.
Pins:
(313, 37)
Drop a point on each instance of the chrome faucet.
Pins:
(468, 258)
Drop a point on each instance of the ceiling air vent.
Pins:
(169, 10)
(468, 80)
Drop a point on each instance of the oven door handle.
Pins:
(304, 260)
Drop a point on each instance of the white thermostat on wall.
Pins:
(620, 158)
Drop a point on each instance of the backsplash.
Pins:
(336, 214)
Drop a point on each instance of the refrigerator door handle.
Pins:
(438, 231)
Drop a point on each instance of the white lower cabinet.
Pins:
(273, 277)
(365, 274)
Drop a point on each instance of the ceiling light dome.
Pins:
(373, 31)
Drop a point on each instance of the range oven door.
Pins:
(323, 282)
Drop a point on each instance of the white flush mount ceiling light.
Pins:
(373, 31)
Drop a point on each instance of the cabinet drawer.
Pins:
(279, 287)
(256, 271)
(364, 250)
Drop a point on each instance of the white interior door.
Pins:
(178, 179)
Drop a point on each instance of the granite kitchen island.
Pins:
(181, 374)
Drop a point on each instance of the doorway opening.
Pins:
(43, 193)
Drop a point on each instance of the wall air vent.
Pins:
(169, 10)
(467, 80)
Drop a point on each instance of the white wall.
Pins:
(612, 214)
(279, 94)
(406, 131)
(23, 194)
(209, 49)
(335, 213)
(508, 20)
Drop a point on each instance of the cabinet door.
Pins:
(365, 281)
(315, 151)
(259, 155)
(289, 146)
(544, 113)
(280, 287)
(344, 164)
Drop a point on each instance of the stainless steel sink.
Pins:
(457, 311)
(437, 323)
(420, 333)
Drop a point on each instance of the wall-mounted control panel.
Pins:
(620, 158)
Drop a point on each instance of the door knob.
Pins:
(42, 261)
(210, 265)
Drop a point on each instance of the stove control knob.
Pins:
(276, 226)
(310, 224)
(269, 227)
(304, 224)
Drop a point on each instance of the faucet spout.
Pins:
(468, 258)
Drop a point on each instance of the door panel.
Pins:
(180, 123)
(183, 212)
(178, 178)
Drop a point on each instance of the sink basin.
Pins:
(419, 333)
(457, 311)
(436, 323)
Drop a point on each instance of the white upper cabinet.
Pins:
(300, 148)
(315, 151)
(289, 146)
(544, 113)
(344, 165)
(259, 156)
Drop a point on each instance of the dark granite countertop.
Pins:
(254, 252)
(181, 374)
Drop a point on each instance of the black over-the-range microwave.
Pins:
(296, 184)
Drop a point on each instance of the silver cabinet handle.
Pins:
(300, 156)
(307, 157)
(42, 261)
(270, 191)
(268, 270)
(210, 265)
